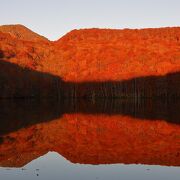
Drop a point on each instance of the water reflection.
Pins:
(15, 115)
(88, 132)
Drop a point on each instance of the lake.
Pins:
(135, 139)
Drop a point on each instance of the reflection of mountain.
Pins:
(19, 114)
(89, 136)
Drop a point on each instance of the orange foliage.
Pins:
(98, 54)
(95, 139)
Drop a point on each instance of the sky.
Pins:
(54, 18)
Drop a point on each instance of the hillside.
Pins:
(103, 59)
(21, 32)
(103, 54)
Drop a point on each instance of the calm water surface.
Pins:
(105, 139)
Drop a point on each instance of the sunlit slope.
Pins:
(21, 32)
(100, 55)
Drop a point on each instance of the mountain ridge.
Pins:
(22, 32)
(99, 55)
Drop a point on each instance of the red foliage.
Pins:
(103, 54)
(95, 139)
(98, 54)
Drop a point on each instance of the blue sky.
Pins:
(54, 18)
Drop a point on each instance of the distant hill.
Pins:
(21, 32)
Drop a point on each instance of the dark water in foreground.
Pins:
(104, 139)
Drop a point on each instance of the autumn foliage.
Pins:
(96, 55)
(95, 139)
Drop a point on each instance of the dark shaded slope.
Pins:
(167, 86)
(19, 82)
